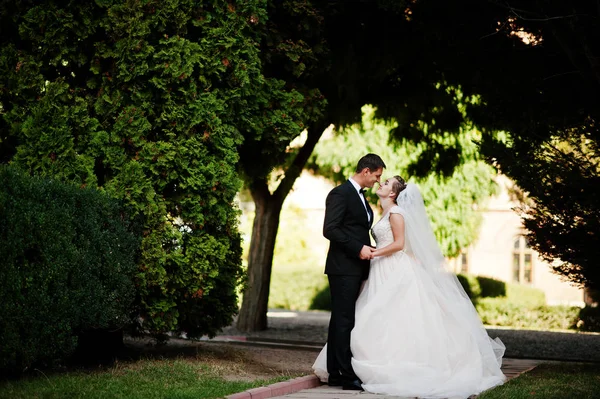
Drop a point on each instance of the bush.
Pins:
(68, 261)
(589, 319)
(471, 286)
(321, 300)
(490, 287)
(503, 312)
(294, 287)
(524, 295)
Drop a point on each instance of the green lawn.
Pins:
(180, 378)
(552, 381)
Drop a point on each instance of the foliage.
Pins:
(490, 287)
(471, 286)
(561, 177)
(149, 101)
(297, 266)
(529, 70)
(322, 300)
(523, 307)
(536, 79)
(296, 288)
(589, 319)
(551, 381)
(451, 202)
(508, 313)
(290, 55)
(148, 379)
(68, 264)
(524, 295)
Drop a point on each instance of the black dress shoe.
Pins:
(334, 383)
(355, 385)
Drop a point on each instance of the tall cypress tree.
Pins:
(145, 100)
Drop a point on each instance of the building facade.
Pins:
(502, 252)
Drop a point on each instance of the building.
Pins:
(502, 252)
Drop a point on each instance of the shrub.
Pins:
(524, 295)
(294, 287)
(321, 300)
(490, 287)
(503, 312)
(68, 261)
(589, 319)
(470, 285)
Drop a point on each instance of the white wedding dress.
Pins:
(416, 332)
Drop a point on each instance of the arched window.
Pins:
(522, 261)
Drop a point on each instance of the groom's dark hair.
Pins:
(371, 161)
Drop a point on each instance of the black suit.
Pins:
(347, 229)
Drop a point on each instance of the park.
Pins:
(164, 168)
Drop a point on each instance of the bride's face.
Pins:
(385, 189)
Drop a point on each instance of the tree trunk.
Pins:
(253, 314)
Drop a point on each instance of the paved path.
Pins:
(310, 387)
(526, 349)
(311, 328)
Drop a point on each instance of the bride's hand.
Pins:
(366, 253)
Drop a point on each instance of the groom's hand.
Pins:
(366, 253)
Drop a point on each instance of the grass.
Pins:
(552, 381)
(204, 376)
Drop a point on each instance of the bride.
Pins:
(417, 333)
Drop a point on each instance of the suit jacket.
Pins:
(347, 229)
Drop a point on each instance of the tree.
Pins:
(534, 66)
(291, 47)
(146, 101)
(336, 55)
(554, 151)
(534, 70)
(451, 201)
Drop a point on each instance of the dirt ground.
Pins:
(234, 361)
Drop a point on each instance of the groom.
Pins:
(348, 218)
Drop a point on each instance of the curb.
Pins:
(279, 388)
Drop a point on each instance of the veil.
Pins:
(422, 246)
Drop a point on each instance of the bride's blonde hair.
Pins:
(398, 185)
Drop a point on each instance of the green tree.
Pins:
(554, 149)
(292, 52)
(452, 201)
(148, 101)
(339, 55)
(535, 67)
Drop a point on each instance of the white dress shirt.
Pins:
(362, 197)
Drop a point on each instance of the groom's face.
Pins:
(373, 177)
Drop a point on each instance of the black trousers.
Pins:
(344, 292)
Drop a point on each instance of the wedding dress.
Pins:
(417, 333)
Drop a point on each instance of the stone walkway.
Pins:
(310, 387)
(309, 330)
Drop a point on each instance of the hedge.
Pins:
(68, 262)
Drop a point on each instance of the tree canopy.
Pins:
(166, 103)
(407, 58)
(534, 65)
(452, 201)
(148, 101)
(533, 68)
